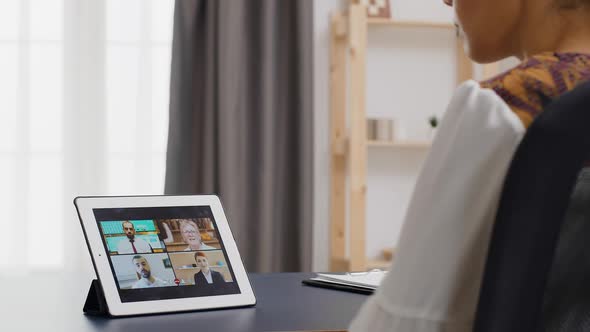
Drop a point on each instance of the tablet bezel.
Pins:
(100, 258)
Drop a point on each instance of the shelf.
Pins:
(409, 24)
(400, 144)
(378, 264)
(342, 265)
(350, 31)
(184, 243)
(200, 230)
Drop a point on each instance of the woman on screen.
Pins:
(191, 236)
(206, 276)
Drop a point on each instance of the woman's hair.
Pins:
(201, 254)
(187, 222)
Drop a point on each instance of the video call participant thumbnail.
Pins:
(206, 276)
(144, 274)
(191, 236)
(132, 244)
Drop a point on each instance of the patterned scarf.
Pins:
(538, 80)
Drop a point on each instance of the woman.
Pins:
(434, 282)
(191, 235)
(206, 276)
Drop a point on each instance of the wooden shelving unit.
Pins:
(206, 230)
(349, 143)
(198, 268)
(400, 144)
(409, 24)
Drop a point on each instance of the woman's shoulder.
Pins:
(526, 87)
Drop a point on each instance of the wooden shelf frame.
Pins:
(349, 145)
(400, 144)
(409, 24)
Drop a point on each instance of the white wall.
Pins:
(410, 76)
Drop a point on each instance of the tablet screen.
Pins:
(161, 253)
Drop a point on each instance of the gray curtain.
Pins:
(241, 121)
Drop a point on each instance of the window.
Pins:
(83, 111)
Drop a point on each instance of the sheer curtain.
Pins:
(83, 111)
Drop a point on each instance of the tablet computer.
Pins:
(157, 254)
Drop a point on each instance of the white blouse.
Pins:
(434, 282)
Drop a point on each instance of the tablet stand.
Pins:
(96, 304)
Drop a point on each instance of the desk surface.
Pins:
(283, 305)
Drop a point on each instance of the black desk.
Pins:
(283, 305)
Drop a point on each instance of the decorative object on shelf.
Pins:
(204, 223)
(433, 122)
(205, 236)
(378, 8)
(169, 236)
(372, 129)
(388, 254)
(380, 129)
